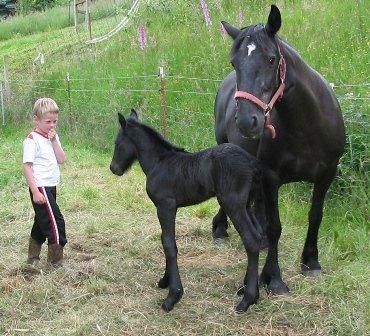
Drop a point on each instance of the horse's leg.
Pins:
(310, 265)
(219, 226)
(250, 235)
(271, 275)
(166, 215)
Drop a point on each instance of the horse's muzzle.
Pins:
(249, 127)
(115, 169)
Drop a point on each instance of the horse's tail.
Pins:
(257, 188)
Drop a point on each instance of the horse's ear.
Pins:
(122, 120)
(134, 114)
(274, 21)
(231, 30)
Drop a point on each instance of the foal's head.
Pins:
(255, 58)
(124, 150)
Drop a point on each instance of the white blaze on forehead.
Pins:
(251, 47)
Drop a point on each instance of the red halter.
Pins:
(266, 108)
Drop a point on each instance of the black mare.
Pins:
(309, 139)
(176, 178)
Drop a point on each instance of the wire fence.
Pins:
(70, 86)
(178, 106)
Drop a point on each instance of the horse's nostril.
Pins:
(254, 122)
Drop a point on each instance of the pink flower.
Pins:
(223, 31)
(142, 37)
(241, 17)
(205, 12)
(218, 5)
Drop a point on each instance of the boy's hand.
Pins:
(51, 134)
(39, 198)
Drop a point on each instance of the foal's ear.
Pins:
(231, 30)
(274, 21)
(122, 120)
(134, 114)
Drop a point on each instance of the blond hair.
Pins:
(43, 106)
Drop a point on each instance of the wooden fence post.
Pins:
(6, 88)
(162, 91)
(85, 12)
(88, 17)
(75, 14)
(2, 101)
(69, 102)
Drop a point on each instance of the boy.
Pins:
(42, 154)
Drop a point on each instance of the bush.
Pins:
(28, 6)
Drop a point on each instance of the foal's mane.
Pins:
(158, 137)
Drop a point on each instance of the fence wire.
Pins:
(71, 86)
(186, 117)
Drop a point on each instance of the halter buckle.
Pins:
(267, 111)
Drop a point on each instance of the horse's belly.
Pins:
(300, 170)
(193, 193)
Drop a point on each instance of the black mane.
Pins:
(152, 132)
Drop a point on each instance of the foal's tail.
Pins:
(256, 202)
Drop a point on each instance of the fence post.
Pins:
(162, 91)
(6, 83)
(75, 11)
(88, 18)
(69, 101)
(2, 101)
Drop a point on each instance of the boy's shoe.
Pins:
(34, 249)
(55, 255)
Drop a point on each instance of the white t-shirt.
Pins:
(38, 150)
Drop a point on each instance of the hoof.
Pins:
(220, 240)
(277, 287)
(312, 273)
(162, 283)
(311, 268)
(167, 305)
(243, 306)
(219, 233)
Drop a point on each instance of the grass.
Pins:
(59, 17)
(114, 258)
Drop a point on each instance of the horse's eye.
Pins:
(272, 60)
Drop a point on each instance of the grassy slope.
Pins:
(330, 36)
(115, 257)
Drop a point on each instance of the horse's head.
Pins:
(124, 150)
(256, 57)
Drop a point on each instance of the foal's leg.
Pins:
(271, 275)
(310, 265)
(251, 239)
(166, 215)
(250, 289)
(219, 226)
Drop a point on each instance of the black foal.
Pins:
(176, 178)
